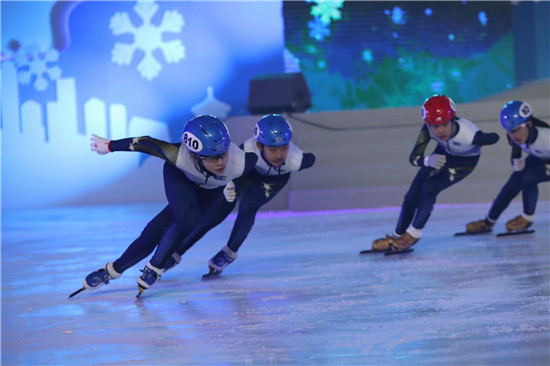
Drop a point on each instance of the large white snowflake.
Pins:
(147, 38)
(33, 65)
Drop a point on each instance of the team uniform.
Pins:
(525, 179)
(257, 188)
(458, 155)
(195, 202)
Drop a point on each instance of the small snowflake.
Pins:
(327, 10)
(367, 56)
(398, 16)
(33, 64)
(318, 29)
(147, 38)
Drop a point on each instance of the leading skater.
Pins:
(531, 135)
(195, 173)
(278, 157)
(455, 156)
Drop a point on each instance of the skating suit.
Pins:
(262, 184)
(536, 170)
(461, 151)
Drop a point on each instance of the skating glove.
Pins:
(99, 144)
(518, 164)
(436, 161)
(229, 192)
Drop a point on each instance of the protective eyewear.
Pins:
(214, 158)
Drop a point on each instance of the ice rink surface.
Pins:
(299, 293)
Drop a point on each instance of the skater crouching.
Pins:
(457, 153)
(195, 174)
(532, 136)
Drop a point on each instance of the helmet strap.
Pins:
(200, 166)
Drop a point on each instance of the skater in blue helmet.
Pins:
(195, 174)
(457, 152)
(532, 136)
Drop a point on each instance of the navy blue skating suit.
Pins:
(195, 198)
(461, 151)
(260, 185)
(536, 170)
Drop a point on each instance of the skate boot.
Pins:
(222, 259)
(404, 242)
(479, 226)
(383, 244)
(171, 262)
(101, 277)
(150, 275)
(219, 262)
(518, 224)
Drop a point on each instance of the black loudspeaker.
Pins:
(278, 93)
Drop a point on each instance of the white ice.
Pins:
(299, 293)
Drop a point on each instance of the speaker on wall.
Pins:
(278, 93)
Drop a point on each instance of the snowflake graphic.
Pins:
(147, 38)
(327, 10)
(33, 64)
(318, 29)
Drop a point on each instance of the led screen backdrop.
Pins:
(375, 54)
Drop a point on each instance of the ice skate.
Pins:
(383, 244)
(517, 226)
(479, 226)
(98, 278)
(219, 262)
(403, 243)
(148, 278)
(518, 223)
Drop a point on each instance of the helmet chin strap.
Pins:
(200, 167)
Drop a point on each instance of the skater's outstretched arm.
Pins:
(482, 138)
(145, 144)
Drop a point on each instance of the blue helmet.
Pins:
(273, 130)
(515, 113)
(206, 136)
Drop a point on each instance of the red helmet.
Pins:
(438, 109)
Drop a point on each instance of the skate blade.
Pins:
(397, 251)
(466, 233)
(140, 289)
(211, 275)
(510, 233)
(77, 292)
(369, 251)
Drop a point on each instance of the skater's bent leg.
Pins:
(411, 201)
(144, 245)
(212, 217)
(535, 172)
(509, 191)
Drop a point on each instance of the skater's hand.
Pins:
(229, 192)
(518, 164)
(436, 161)
(99, 144)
